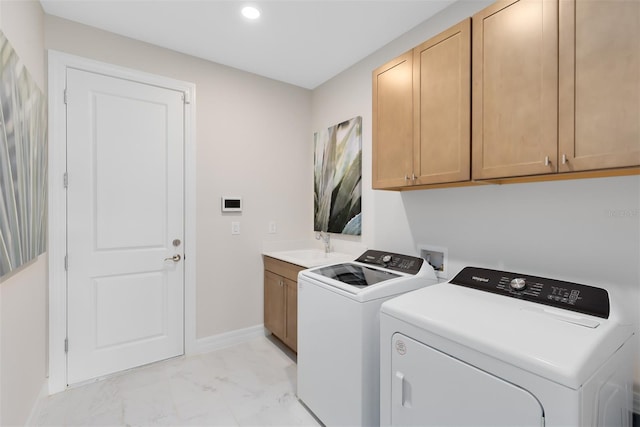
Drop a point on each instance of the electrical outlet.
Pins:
(437, 257)
(235, 227)
(272, 227)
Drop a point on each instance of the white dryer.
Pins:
(493, 348)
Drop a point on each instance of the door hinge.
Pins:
(66, 262)
(66, 345)
(65, 180)
(65, 96)
(185, 98)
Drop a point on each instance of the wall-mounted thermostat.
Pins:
(232, 204)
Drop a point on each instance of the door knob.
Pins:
(174, 258)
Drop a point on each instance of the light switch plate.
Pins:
(235, 227)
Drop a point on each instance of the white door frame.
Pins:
(57, 213)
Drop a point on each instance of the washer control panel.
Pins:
(398, 262)
(557, 293)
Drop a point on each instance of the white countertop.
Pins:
(311, 257)
(311, 253)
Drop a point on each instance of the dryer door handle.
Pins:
(402, 389)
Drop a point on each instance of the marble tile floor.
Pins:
(248, 384)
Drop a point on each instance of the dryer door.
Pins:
(433, 388)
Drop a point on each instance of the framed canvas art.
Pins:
(338, 178)
(23, 163)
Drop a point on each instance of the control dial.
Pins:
(518, 284)
(386, 259)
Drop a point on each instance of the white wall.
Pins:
(250, 133)
(582, 230)
(23, 333)
(23, 309)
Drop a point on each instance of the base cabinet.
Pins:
(281, 300)
(274, 304)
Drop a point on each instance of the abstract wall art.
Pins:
(338, 178)
(23, 163)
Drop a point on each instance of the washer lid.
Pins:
(349, 279)
(358, 276)
(560, 345)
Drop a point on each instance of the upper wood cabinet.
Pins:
(555, 94)
(421, 113)
(441, 109)
(556, 88)
(393, 123)
(515, 89)
(599, 94)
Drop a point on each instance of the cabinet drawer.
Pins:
(282, 268)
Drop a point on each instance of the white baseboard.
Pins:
(216, 342)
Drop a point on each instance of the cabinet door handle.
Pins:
(547, 161)
(406, 177)
(564, 159)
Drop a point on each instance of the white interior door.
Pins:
(125, 220)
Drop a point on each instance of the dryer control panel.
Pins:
(398, 262)
(557, 293)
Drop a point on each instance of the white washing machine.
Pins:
(493, 348)
(339, 334)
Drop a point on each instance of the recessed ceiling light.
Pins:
(250, 12)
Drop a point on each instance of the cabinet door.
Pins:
(292, 314)
(514, 89)
(442, 106)
(599, 84)
(274, 308)
(393, 123)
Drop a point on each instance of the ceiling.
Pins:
(301, 42)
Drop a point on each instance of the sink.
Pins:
(312, 257)
(310, 254)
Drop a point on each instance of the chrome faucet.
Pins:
(326, 238)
